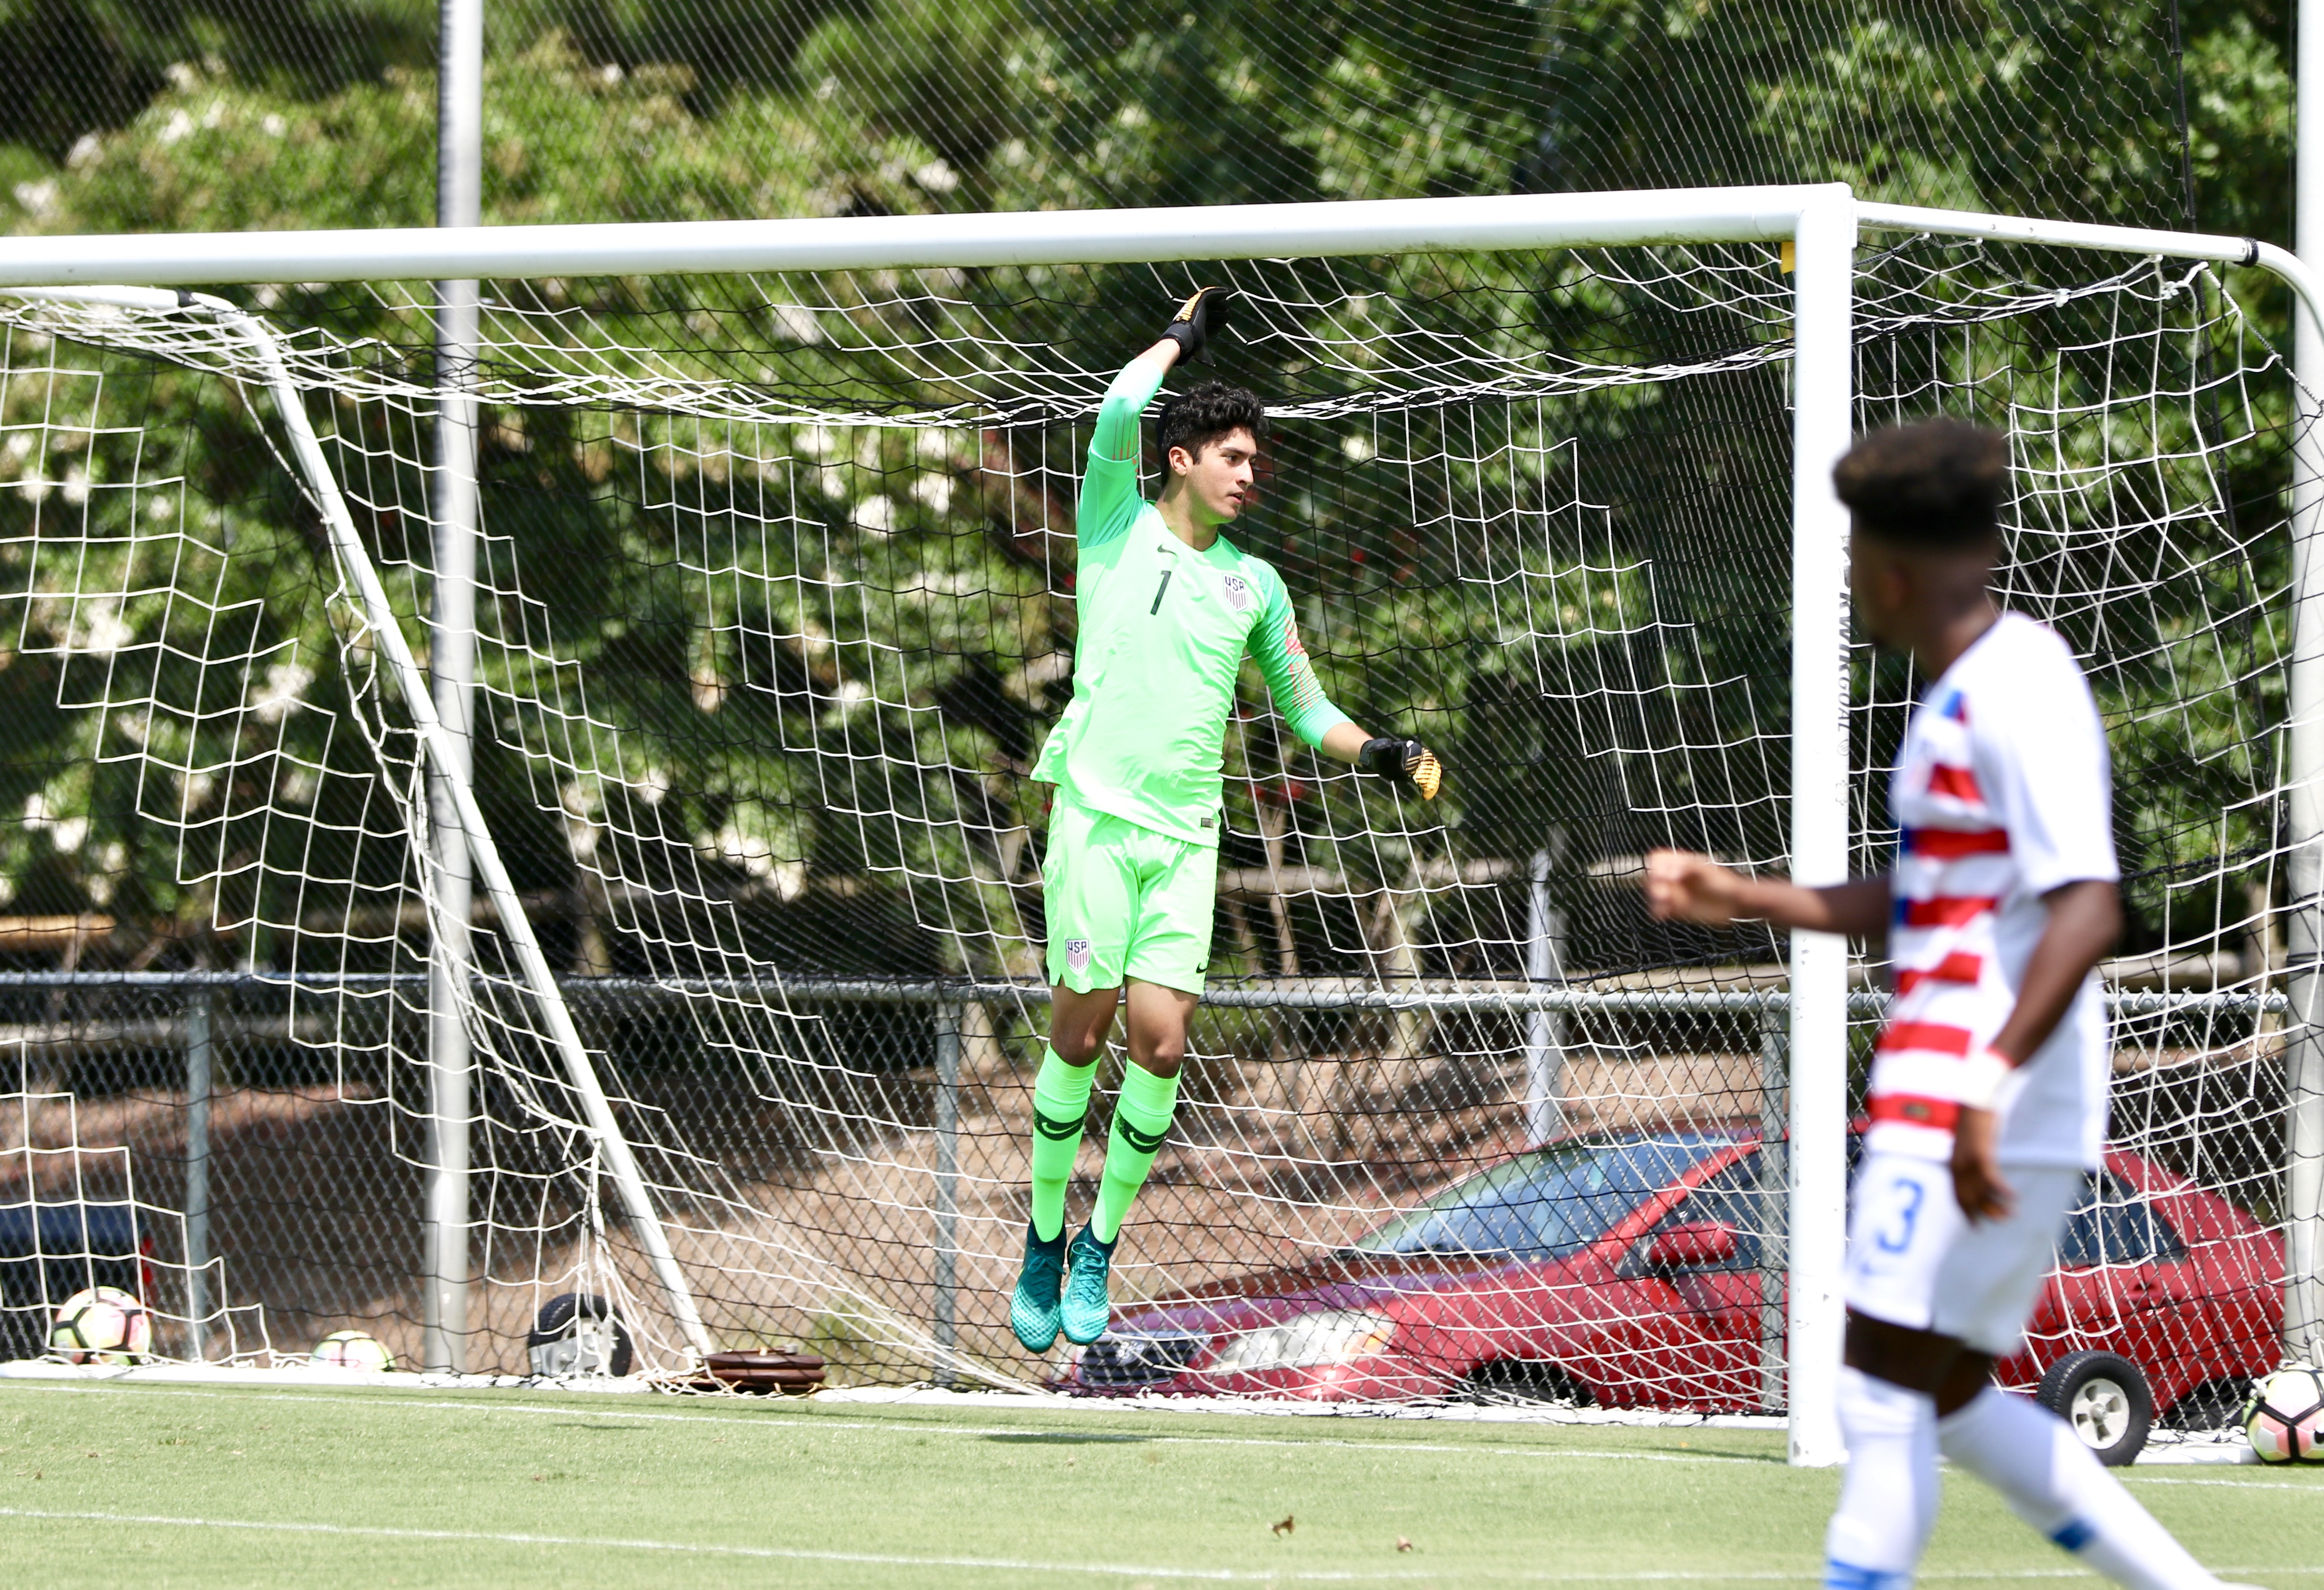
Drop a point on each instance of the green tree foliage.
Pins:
(77, 66)
(625, 110)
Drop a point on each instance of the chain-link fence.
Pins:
(273, 1170)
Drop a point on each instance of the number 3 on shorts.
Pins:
(1894, 1234)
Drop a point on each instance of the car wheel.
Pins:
(578, 1332)
(2106, 1399)
(1515, 1382)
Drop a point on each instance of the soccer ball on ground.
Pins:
(352, 1349)
(2284, 1417)
(102, 1325)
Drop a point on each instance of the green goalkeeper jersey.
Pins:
(1163, 631)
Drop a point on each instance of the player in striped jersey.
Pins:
(1989, 1085)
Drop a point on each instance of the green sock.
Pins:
(1060, 1099)
(1141, 1120)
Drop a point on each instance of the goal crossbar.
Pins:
(1040, 238)
(1059, 237)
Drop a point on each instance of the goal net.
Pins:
(774, 604)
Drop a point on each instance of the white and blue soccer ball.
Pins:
(351, 1349)
(2285, 1416)
(102, 1325)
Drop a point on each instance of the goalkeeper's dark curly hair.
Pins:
(1937, 486)
(1205, 414)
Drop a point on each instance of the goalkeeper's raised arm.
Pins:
(1211, 438)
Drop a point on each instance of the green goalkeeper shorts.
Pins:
(1125, 902)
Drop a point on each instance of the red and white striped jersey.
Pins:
(2002, 793)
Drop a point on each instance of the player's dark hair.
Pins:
(1937, 486)
(1210, 413)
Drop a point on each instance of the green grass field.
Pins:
(166, 1485)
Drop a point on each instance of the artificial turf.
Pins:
(170, 1485)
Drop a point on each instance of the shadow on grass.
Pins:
(1777, 1459)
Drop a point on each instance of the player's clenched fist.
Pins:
(1201, 317)
(1685, 887)
(1406, 762)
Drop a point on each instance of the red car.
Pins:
(1626, 1272)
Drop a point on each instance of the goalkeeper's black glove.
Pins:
(1408, 761)
(1197, 319)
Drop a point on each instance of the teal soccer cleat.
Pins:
(1087, 1309)
(1033, 1305)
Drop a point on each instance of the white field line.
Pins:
(2316, 1489)
(605, 1543)
(1020, 1565)
(2197, 1454)
(789, 1423)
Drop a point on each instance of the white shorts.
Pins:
(1914, 1260)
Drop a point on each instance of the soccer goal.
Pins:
(689, 958)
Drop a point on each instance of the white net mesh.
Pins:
(775, 605)
(2148, 427)
(72, 1220)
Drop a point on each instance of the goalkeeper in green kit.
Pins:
(1168, 609)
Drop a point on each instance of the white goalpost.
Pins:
(841, 1188)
